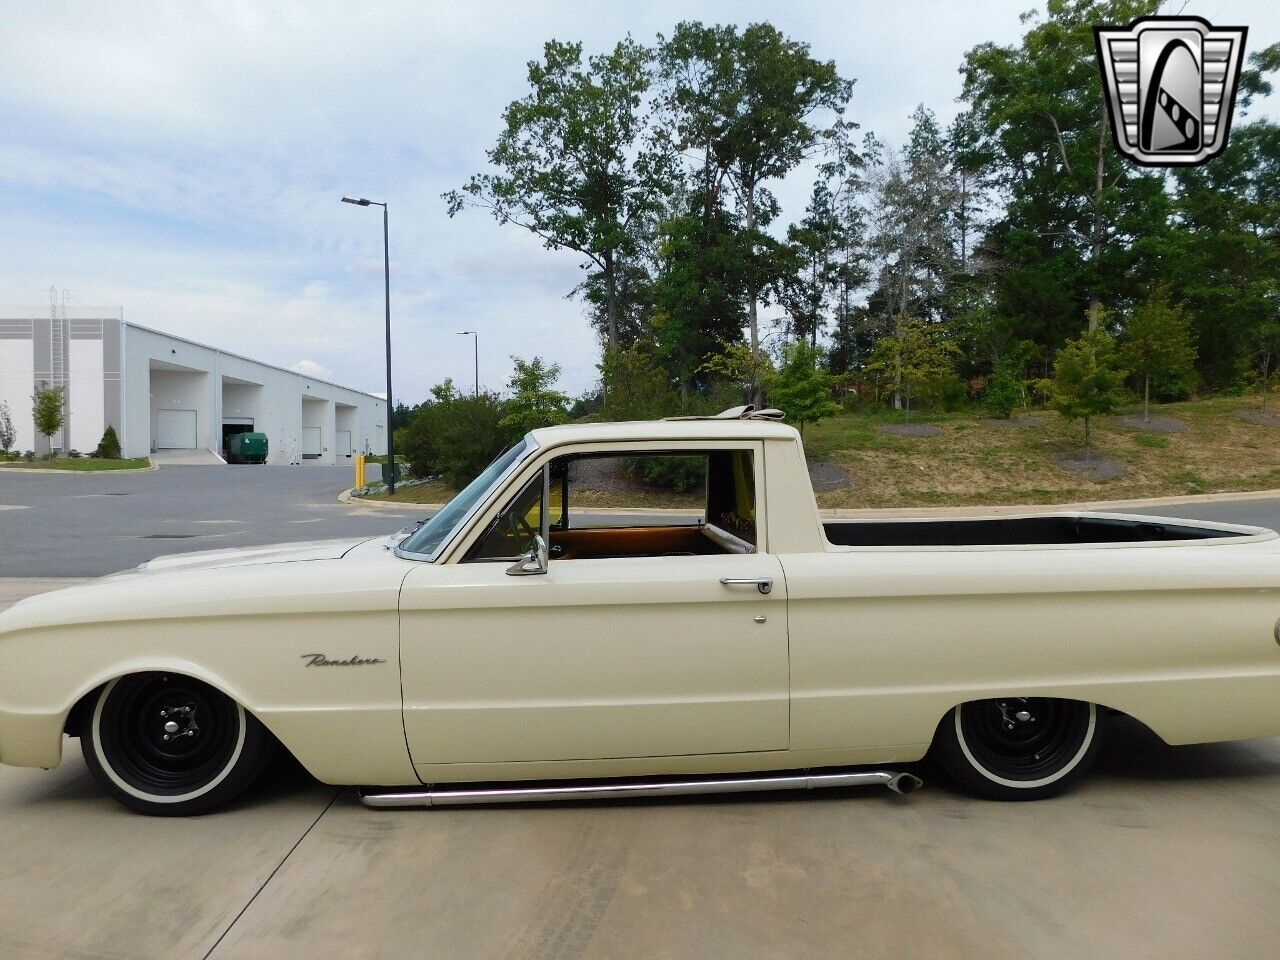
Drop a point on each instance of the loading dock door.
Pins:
(344, 443)
(175, 429)
(311, 442)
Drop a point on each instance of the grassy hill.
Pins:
(975, 461)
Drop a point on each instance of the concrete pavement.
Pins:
(1163, 852)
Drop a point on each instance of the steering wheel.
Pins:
(520, 527)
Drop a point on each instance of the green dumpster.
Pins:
(247, 448)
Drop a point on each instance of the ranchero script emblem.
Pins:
(1171, 87)
(320, 660)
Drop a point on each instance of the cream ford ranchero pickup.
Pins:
(526, 644)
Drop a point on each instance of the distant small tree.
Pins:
(913, 359)
(1087, 379)
(533, 402)
(48, 409)
(1007, 388)
(6, 428)
(109, 445)
(736, 366)
(1265, 341)
(635, 385)
(1157, 345)
(802, 388)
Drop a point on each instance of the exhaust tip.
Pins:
(905, 783)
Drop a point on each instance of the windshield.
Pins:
(428, 538)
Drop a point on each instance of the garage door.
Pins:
(311, 442)
(175, 429)
(344, 443)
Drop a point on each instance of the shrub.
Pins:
(455, 437)
(109, 445)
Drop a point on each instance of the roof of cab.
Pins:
(708, 429)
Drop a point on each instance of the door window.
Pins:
(632, 505)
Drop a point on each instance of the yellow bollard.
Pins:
(359, 470)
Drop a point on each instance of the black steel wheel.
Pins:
(166, 744)
(1018, 748)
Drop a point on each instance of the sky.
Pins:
(182, 163)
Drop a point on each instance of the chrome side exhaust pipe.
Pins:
(448, 795)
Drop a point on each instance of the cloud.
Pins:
(186, 166)
(309, 368)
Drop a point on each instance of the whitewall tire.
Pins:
(1018, 748)
(170, 745)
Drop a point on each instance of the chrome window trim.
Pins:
(499, 484)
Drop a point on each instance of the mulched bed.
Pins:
(1259, 416)
(829, 476)
(909, 430)
(1092, 466)
(1017, 423)
(1155, 424)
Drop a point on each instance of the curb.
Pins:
(348, 498)
(79, 473)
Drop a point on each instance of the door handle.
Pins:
(764, 585)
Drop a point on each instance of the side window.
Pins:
(618, 490)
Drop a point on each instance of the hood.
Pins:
(249, 556)
(166, 585)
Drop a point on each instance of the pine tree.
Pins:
(1087, 379)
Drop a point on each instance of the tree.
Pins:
(48, 409)
(736, 366)
(533, 402)
(575, 163)
(753, 104)
(1007, 388)
(913, 360)
(635, 386)
(454, 435)
(1157, 345)
(698, 294)
(1264, 337)
(109, 445)
(1087, 379)
(1076, 207)
(7, 434)
(802, 388)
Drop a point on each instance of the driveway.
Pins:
(1163, 852)
(88, 525)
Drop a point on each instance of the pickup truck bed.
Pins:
(1014, 531)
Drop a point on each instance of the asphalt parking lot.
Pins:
(1163, 852)
(89, 525)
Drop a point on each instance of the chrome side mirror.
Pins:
(532, 563)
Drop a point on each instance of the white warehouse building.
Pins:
(165, 393)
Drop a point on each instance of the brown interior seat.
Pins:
(598, 542)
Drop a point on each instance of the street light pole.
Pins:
(476, 335)
(386, 276)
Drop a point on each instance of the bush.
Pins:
(455, 437)
(681, 474)
(109, 445)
